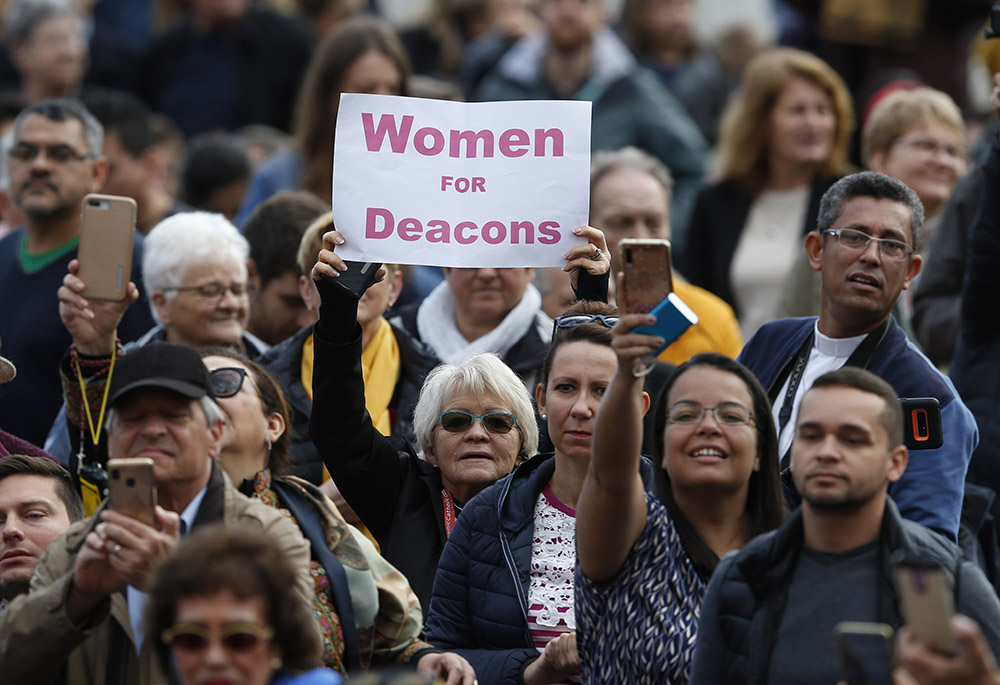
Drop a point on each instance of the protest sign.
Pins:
(490, 184)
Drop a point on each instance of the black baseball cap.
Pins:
(161, 365)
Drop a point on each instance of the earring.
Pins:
(268, 444)
(276, 663)
(544, 417)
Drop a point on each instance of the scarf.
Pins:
(436, 325)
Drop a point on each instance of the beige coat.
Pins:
(38, 640)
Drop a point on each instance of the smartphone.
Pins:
(107, 232)
(358, 277)
(647, 275)
(922, 423)
(132, 489)
(928, 603)
(673, 318)
(864, 653)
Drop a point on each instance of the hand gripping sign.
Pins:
(491, 184)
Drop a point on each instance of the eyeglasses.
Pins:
(692, 413)
(457, 421)
(227, 381)
(858, 241)
(573, 320)
(59, 153)
(235, 637)
(214, 291)
(930, 147)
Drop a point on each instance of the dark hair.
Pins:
(318, 101)
(275, 228)
(247, 562)
(214, 161)
(865, 381)
(596, 332)
(273, 401)
(874, 185)
(125, 115)
(765, 499)
(64, 109)
(66, 487)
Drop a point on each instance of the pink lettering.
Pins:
(550, 232)
(514, 143)
(440, 233)
(491, 227)
(553, 134)
(471, 140)
(522, 228)
(410, 229)
(460, 236)
(388, 222)
(420, 141)
(398, 136)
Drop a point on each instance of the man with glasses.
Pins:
(864, 247)
(82, 619)
(54, 162)
(834, 559)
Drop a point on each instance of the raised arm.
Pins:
(611, 511)
(365, 465)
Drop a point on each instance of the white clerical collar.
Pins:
(836, 347)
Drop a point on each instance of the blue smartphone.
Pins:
(673, 317)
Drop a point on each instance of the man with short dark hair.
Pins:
(54, 162)
(274, 231)
(38, 501)
(771, 608)
(864, 247)
(82, 619)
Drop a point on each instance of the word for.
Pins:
(430, 141)
(463, 185)
(380, 223)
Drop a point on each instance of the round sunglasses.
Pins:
(235, 637)
(457, 421)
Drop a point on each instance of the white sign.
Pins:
(484, 184)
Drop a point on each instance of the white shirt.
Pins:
(827, 354)
(136, 598)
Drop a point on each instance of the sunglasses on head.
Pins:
(227, 381)
(235, 637)
(571, 320)
(457, 421)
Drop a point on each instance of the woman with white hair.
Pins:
(474, 421)
(195, 271)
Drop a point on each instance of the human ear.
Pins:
(814, 249)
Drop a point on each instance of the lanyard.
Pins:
(449, 511)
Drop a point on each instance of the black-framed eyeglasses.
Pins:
(572, 320)
(458, 421)
(59, 153)
(858, 241)
(235, 637)
(213, 291)
(692, 413)
(227, 380)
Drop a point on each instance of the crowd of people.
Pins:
(494, 475)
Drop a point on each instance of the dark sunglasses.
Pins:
(235, 637)
(227, 380)
(457, 421)
(571, 320)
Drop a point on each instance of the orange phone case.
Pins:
(647, 274)
(106, 237)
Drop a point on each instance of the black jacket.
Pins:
(396, 494)
(285, 361)
(720, 215)
(745, 600)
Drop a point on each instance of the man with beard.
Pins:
(54, 162)
(864, 246)
(38, 501)
(772, 607)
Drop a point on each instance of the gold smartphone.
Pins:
(928, 605)
(107, 232)
(647, 274)
(132, 489)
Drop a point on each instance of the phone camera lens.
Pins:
(130, 482)
(114, 474)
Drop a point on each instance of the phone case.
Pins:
(132, 490)
(922, 423)
(358, 277)
(673, 318)
(928, 604)
(647, 274)
(106, 237)
(864, 652)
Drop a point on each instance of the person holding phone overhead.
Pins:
(835, 558)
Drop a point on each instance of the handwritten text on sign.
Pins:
(460, 184)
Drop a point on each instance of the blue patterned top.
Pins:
(642, 627)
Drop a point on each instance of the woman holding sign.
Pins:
(643, 565)
(474, 421)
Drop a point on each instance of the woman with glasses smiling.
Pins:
(643, 564)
